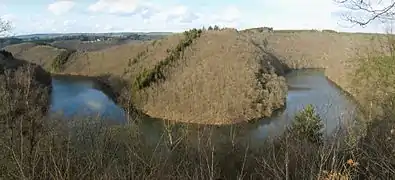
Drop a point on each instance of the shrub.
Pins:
(216, 28)
(5, 53)
(374, 82)
(139, 56)
(308, 125)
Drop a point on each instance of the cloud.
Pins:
(184, 17)
(8, 17)
(2, 7)
(229, 14)
(146, 12)
(95, 105)
(179, 14)
(189, 18)
(114, 6)
(301, 14)
(105, 27)
(61, 7)
(174, 15)
(149, 12)
(68, 23)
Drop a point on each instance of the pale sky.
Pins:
(63, 16)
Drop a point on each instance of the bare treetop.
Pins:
(363, 12)
(4, 26)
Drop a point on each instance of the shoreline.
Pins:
(114, 92)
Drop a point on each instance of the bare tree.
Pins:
(4, 26)
(363, 12)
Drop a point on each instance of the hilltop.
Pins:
(43, 55)
(192, 77)
(339, 54)
(217, 76)
(82, 41)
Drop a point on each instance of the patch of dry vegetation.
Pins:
(221, 78)
(215, 77)
(79, 45)
(340, 54)
(373, 83)
(90, 149)
(60, 60)
(24, 97)
(43, 55)
(16, 49)
(34, 147)
(121, 60)
(156, 74)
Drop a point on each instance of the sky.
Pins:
(66, 16)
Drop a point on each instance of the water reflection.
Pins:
(310, 87)
(77, 96)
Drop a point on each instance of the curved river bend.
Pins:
(75, 96)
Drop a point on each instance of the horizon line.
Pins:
(239, 29)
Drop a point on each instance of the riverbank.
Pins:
(82, 95)
(342, 55)
(94, 150)
(101, 83)
(203, 78)
(223, 91)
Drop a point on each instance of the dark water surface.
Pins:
(74, 96)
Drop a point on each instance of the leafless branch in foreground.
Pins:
(4, 26)
(363, 12)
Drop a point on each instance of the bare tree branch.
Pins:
(4, 26)
(368, 10)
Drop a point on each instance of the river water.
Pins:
(74, 96)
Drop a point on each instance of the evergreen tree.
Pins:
(216, 28)
(308, 125)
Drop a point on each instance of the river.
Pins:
(75, 96)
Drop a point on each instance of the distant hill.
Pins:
(114, 34)
(156, 33)
(82, 41)
(42, 55)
